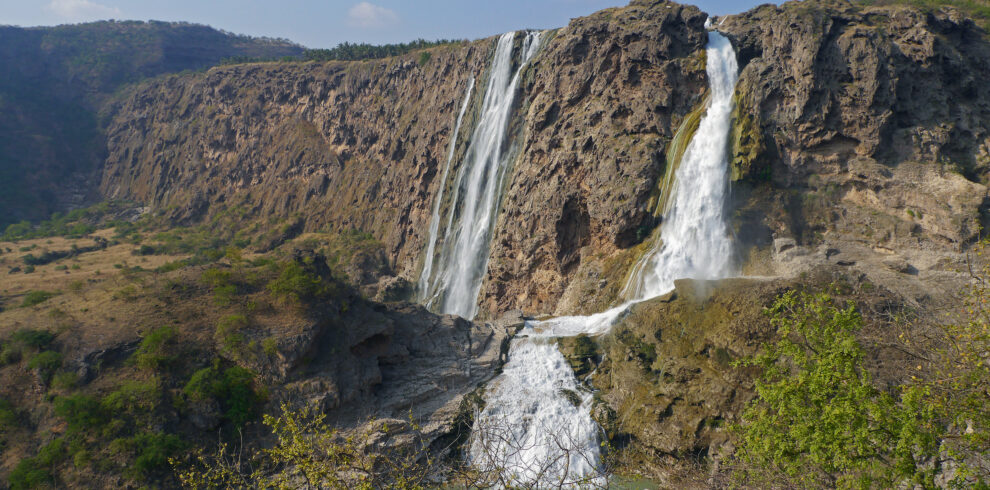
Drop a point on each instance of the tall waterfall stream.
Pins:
(454, 285)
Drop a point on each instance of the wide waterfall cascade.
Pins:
(694, 242)
(478, 187)
(424, 278)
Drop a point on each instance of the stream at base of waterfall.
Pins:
(537, 424)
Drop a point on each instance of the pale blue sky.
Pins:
(325, 23)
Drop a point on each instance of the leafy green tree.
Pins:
(818, 419)
(958, 383)
(156, 349)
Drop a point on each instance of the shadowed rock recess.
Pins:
(859, 157)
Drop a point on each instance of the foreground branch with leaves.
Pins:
(307, 454)
(819, 420)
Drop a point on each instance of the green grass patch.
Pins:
(33, 298)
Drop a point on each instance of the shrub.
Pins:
(80, 412)
(126, 293)
(8, 416)
(153, 450)
(36, 472)
(146, 250)
(81, 458)
(154, 350)
(65, 380)
(133, 398)
(222, 283)
(36, 339)
(228, 333)
(9, 353)
(224, 295)
(37, 297)
(270, 346)
(46, 363)
(233, 389)
(172, 266)
(298, 284)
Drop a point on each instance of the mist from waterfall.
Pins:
(553, 437)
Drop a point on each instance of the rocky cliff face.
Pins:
(355, 145)
(53, 87)
(861, 130)
(852, 123)
(361, 145)
(606, 95)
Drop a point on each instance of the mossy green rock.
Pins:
(748, 150)
(667, 371)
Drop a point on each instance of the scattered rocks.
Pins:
(88, 366)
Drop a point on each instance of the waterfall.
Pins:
(477, 190)
(536, 425)
(694, 242)
(424, 277)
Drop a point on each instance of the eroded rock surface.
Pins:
(393, 362)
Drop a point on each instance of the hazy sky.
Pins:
(325, 23)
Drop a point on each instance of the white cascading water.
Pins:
(424, 277)
(533, 391)
(478, 187)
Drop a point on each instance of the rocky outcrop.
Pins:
(838, 103)
(669, 391)
(390, 362)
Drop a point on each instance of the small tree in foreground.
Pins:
(306, 454)
(959, 382)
